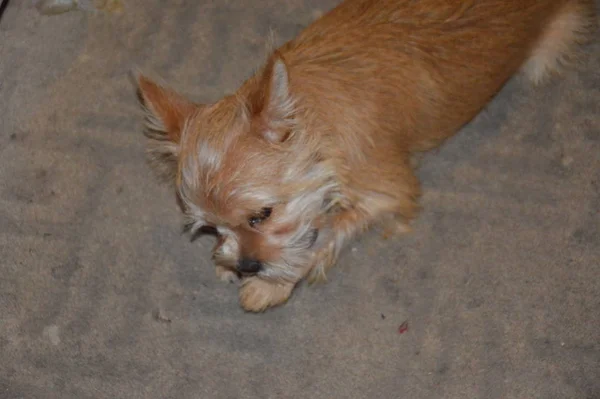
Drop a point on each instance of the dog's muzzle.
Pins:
(249, 266)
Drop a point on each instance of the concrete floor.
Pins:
(101, 296)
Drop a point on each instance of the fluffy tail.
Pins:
(570, 27)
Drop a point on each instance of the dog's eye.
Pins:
(196, 232)
(212, 230)
(259, 217)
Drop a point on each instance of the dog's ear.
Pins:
(277, 111)
(166, 113)
(166, 109)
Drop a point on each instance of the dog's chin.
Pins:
(288, 269)
(279, 273)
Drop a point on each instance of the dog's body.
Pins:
(317, 146)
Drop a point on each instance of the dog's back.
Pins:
(416, 71)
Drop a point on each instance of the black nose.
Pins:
(249, 266)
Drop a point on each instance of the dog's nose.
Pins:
(249, 266)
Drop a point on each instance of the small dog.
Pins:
(318, 145)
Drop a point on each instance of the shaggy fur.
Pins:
(317, 146)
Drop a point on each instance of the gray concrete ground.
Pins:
(102, 297)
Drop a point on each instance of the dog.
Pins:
(318, 145)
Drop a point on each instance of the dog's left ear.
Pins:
(166, 113)
(277, 111)
(167, 110)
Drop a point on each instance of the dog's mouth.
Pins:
(314, 234)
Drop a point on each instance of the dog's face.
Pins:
(245, 169)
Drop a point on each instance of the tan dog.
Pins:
(317, 146)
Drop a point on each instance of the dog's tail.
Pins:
(570, 27)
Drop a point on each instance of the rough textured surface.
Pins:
(102, 297)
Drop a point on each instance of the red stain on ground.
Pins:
(403, 327)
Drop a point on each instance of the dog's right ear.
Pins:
(277, 108)
(166, 113)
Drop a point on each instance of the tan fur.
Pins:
(557, 45)
(325, 134)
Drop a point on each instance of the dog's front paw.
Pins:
(226, 275)
(256, 295)
(322, 261)
(394, 227)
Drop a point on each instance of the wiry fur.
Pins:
(560, 41)
(325, 133)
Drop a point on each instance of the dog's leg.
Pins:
(256, 294)
(346, 226)
(395, 226)
(394, 213)
(225, 274)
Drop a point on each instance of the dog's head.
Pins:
(248, 168)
